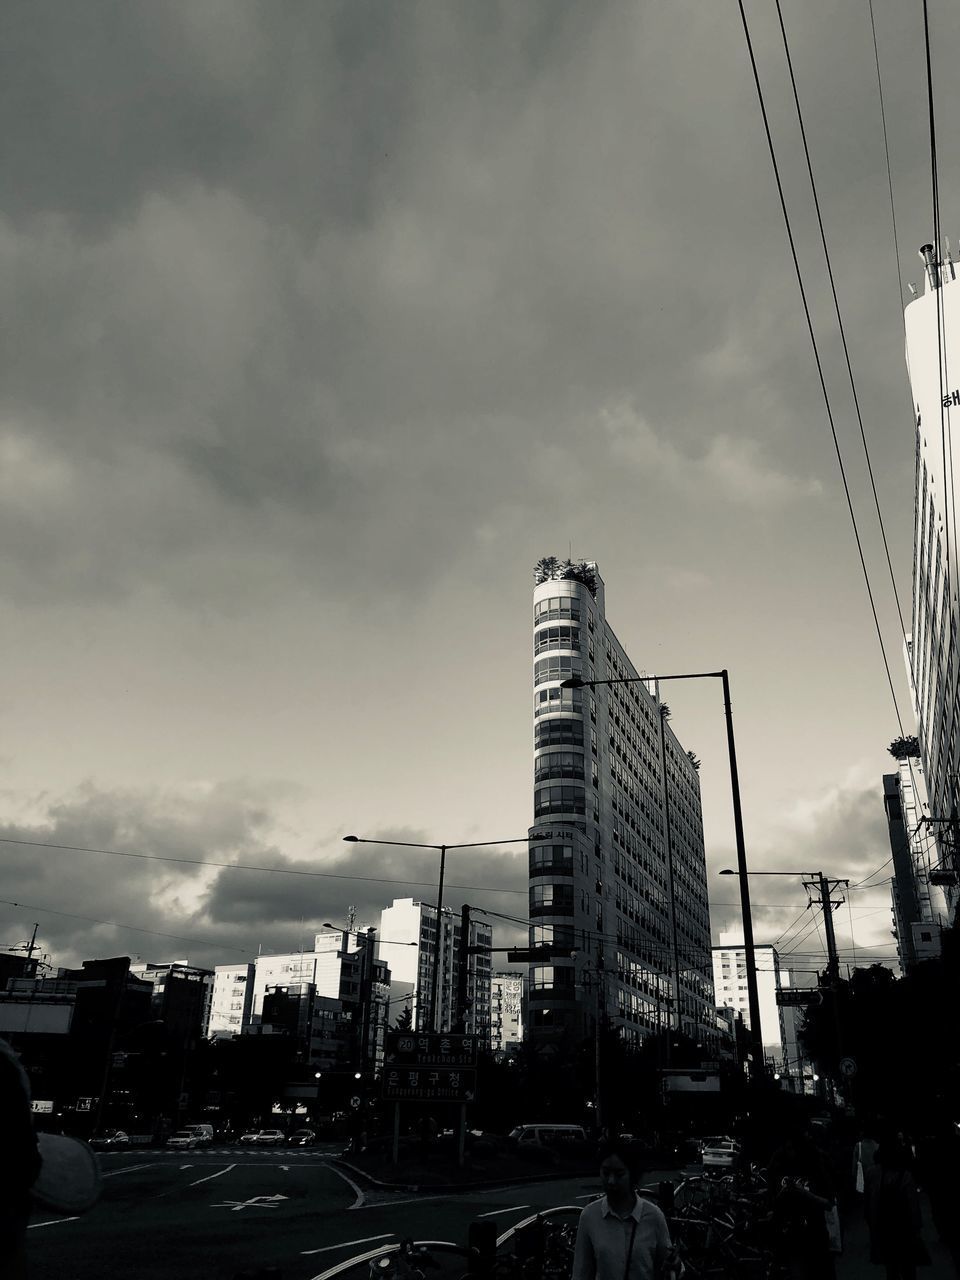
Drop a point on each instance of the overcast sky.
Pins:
(322, 322)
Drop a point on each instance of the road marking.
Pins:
(52, 1222)
(255, 1202)
(358, 1203)
(185, 1166)
(493, 1212)
(285, 1168)
(212, 1175)
(346, 1244)
(130, 1168)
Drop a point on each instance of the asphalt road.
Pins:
(207, 1215)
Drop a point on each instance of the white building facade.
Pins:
(617, 863)
(506, 1012)
(410, 928)
(932, 323)
(231, 1000)
(730, 983)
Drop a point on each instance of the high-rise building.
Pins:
(932, 323)
(917, 904)
(232, 999)
(617, 864)
(506, 1012)
(182, 997)
(407, 921)
(730, 983)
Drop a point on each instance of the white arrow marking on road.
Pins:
(260, 1202)
(285, 1168)
(213, 1175)
(493, 1212)
(346, 1244)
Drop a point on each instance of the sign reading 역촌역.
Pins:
(428, 1049)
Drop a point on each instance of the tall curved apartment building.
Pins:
(617, 864)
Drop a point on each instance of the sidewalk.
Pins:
(855, 1264)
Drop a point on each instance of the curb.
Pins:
(483, 1185)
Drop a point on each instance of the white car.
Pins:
(720, 1153)
(265, 1138)
(183, 1138)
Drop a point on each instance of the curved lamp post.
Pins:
(442, 849)
(753, 996)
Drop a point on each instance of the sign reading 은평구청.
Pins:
(428, 1083)
(422, 1049)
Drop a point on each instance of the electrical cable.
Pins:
(133, 928)
(886, 152)
(840, 325)
(818, 361)
(246, 866)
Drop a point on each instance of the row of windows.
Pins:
(547, 701)
(559, 764)
(551, 895)
(556, 638)
(559, 800)
(556, 667)
(549, 733)
(556, 607)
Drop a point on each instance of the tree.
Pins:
(905, 748)
(405, 1019)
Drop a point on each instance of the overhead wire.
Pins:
(817, 359)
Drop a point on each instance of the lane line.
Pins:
(131, 1168)
(361, 1196)
(493, 1212)
(346, 1244)
(212, 1175)
(52, 1222)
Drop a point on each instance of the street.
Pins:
(207, 1215)
(210, 1214)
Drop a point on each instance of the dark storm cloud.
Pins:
(285, 278)
(368, 879)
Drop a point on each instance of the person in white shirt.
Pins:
(621, 1236)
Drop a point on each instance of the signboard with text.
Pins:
(425, 1084)
(422, 1049)
(795, 996)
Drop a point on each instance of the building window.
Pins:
(556, 638)
(559, 800)
(551, 898)
(554, 733)
(559, 764)
(556, 667)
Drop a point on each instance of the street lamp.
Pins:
(442, 848)
(753, 995)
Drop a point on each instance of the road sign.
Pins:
(40, 1107)
(84, 1104)
(419, 1049)
(426, 1084)
(355, 1102)
(794, 996)
(848, 1067)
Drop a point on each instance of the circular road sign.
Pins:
(354, 1101)
(848, 1067)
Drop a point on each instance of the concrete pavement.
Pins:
(854, 1263)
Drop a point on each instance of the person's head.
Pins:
(619, 1168)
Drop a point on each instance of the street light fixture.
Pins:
(753, 995)
(442, 849)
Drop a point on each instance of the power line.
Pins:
(246, 866)
(133, 928)
(817, 359)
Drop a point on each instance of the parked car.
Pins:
(204, 1133)
(113, 1138)
(265, 1138)
(722, 1153)
(302, 1138)
(183, 1138)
